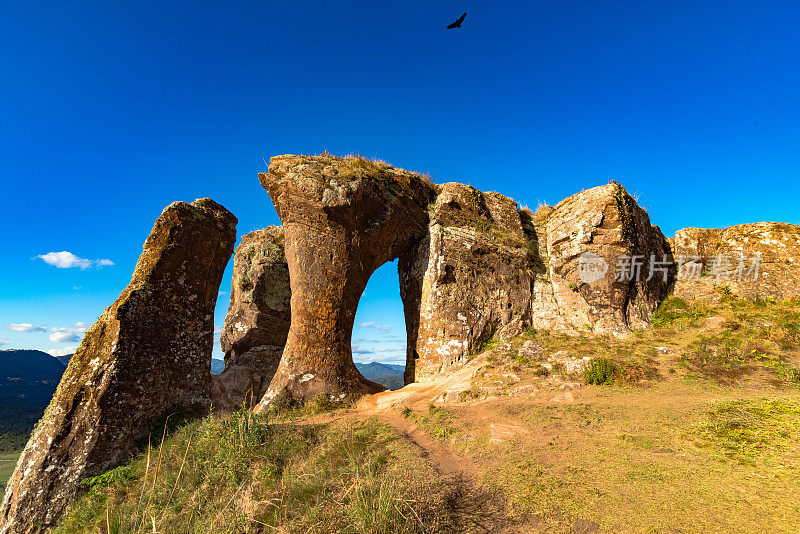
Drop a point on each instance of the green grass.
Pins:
(239, 474)
(438, 421)
(8, 460)
(752, 431)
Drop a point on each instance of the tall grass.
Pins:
(237, 473)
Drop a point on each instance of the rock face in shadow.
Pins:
(468, 280)
(148, 356)
(258, 319)
(342, 218)
(758, 260)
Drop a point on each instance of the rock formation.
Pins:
(468, 280)
(147, 357)
(258, 319)
(472, 266)
(598, 249)
(487, 270)
(758, 260)
(342, 218)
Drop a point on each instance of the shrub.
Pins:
(599, 371)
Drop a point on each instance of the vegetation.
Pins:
(237, 473)
(752, 431)
(599, 371)
(8, 460)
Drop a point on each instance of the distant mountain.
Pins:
(28, 379)
(389, 375)
(64, 359)
(217, 366)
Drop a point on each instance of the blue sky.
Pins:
(109, 111)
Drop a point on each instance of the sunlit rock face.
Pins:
(758, 260)
(488, 270)
(600, 227)
(258, 319)
(147, 357)
(343, 218)
(469, 279)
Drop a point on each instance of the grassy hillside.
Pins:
(690, 426)
(240, 473)
(28, 379)
(8, 460)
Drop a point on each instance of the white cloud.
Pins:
(378, 327)
(218, 329)
(78, 328)
(66, 260)
(64, 337)
(4, 341)
(26, 327)
(62, 352)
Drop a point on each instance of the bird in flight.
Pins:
(457, 24)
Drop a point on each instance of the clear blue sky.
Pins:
(109, 111)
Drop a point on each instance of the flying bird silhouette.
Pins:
(457, 24)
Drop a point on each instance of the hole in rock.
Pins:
(379, 332)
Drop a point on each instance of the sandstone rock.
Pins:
(148, 356)
(604, 225)
(258, 319)
(717, 252)
(467, 281)
(343, 218)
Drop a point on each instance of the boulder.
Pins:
(758, 260)
(258, 319)
(342, 219)
(147, 358)
(597, 247)
(467, 281)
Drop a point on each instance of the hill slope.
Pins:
(28, 379)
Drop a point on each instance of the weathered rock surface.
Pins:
(468, 280)
(601, 226)
(726, 257)
(258, 319)
(487, 270)
(343, 218)
(148, 356)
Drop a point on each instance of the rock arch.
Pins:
(343, 218)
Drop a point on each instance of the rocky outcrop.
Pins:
(342, 219)
(258, 319)
(607, 267)
(759, 260)
(468, 280)
(486, 269)
(147, 357)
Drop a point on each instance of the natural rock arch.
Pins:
(343, 218)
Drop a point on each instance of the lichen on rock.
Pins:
(257, 321)
(343, 218)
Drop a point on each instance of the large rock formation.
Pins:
(759, 260)
(607, 267)
(343, 218)
(468, 280)
(258, 319)
(487, 270)
(147, 357)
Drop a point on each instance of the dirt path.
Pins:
(476, 507)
